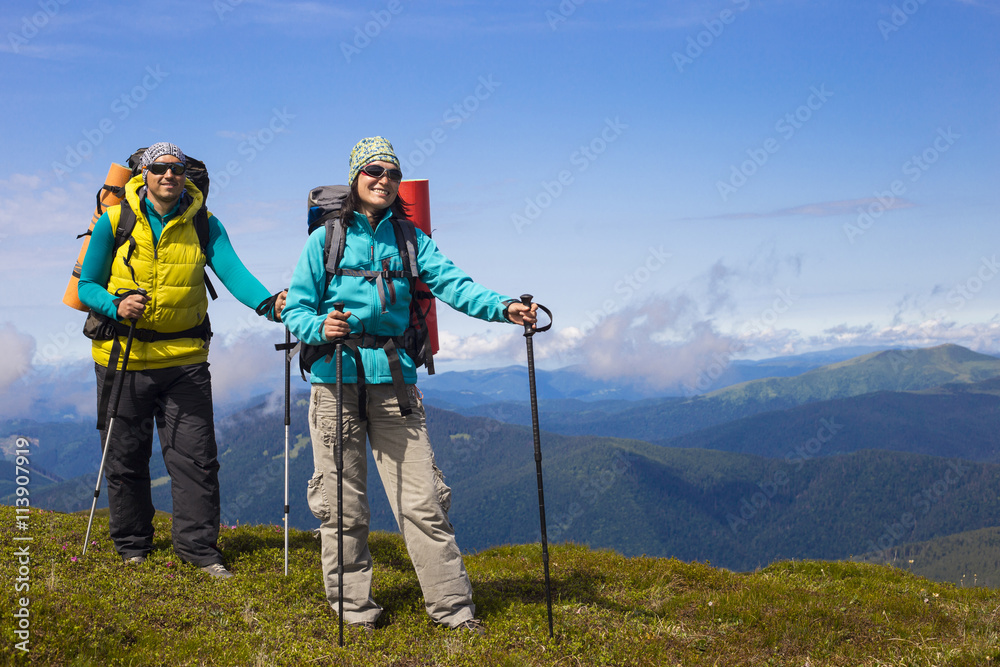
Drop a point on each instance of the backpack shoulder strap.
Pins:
(123, 234)
(126, 223)
(336, 239)
(406, 239)
(201, 227)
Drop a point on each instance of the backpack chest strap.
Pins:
(382, 279)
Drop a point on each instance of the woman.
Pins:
(415, 486)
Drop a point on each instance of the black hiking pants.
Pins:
(178, 402)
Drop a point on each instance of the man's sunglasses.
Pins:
(377, 172)
(160, 168)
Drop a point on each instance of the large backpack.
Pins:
(326, 210)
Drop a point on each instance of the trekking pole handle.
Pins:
(528, 331)
(123, 293)
(140, 292)
(339, 306)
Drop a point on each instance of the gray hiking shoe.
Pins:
(366, 627)
(473, 625)
(135, 560)
(217, 571)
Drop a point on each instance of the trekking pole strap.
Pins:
(528, 329)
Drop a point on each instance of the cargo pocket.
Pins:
(442, 490)
(316, 497)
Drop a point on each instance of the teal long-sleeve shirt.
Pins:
(222, 258)
(312, 294)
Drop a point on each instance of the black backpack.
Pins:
(325, 210)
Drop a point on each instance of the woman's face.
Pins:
(376, 194)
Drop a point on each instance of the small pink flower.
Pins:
(73, 558)
(64, 547)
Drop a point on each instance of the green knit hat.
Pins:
(372, 149)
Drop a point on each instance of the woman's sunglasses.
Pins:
(377, 171)
(160, 168)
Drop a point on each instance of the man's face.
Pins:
(168, 186)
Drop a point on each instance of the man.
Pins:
(167, 381)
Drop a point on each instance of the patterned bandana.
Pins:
(159, 150)
(372, 149)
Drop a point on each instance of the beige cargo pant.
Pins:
(417, 494)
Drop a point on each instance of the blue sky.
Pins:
(679, 182)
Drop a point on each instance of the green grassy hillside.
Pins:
(608, 610)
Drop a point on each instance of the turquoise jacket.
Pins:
(310, 297)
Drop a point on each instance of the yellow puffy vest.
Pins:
(173, 273)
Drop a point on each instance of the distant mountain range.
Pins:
(659, 420)
(462, 389)
(862, 455)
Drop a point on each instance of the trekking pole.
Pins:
(288, 421)
(338, 455)
(111, 422)
(528, 333)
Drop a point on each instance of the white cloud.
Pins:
(33, 205)
(248, 365)
(982, 337)
(479, 347)
(15, 362)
